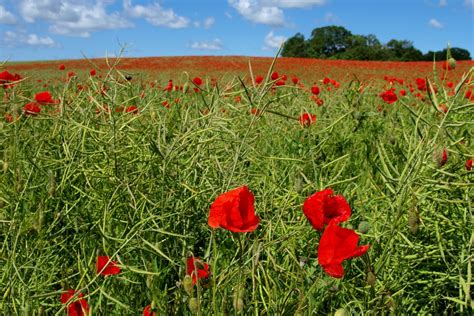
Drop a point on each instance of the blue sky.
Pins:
(63, 29)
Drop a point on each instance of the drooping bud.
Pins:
(371, 278)
(452, 63)
(5, 166)
(413, 221)
(341, 312)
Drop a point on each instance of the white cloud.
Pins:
(254, 11)
(215, 44)
(331, 18)
(273, 41)
(13, 39)
(73, 17)
(208, 22)
(443, 3)
(293, 3)
(6, 17)
(435, 24)
(156, 15)
(469, 3)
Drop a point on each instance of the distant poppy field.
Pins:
(236, 186)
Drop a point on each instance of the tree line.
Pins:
(336, 42)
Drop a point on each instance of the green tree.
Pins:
(328, 41)
(295, 46)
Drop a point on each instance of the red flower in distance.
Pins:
(105, 266)
(326, 80)
(255, 111)
(258, 79)
(306, 119)
(295, 80)
(403, 93)
(197, 81)
(234, 211)
(71, 74)
(147, 311)
(61, 67)
(469, 164)
(6, 78)
(444, 158)
(336, 245)
(389, 96)
(31, 108)
(93, 72)
(79, 307)
(131, 109)
(280, 83)
(275, 75)
(44, 97)
(197, 269)
(324, 207)
(315, 90)
(421, 84)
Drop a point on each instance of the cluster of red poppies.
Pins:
(234, 211)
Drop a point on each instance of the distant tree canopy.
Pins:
(336, 42)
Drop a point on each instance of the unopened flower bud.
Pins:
(452, 63)
(413, 221)
(364, 227)
(188, 285)
(341, 312)
(371, 278)
(193, 305)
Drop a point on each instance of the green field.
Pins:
(86, 178)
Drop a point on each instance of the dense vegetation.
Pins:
(336, 42)
(103, 165)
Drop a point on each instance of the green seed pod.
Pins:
(5, 166)
(413, 221)
(193, 305)
(364, 227)
(341, 312)
(51, 183)
(452, 63)
(153, 115)
(188, 285)
(371, 278)
(239, 299)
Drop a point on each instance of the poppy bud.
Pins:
(193, 305)
(299, 185)
(188, 285)
(341, 312)
(413, 221)
(371, 278)
(452, 63)
(5, 166)
(364, 227)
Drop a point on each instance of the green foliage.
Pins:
(138, 187)
(336, 42)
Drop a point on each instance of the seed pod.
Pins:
(193, 305)
(188, 285)
(51, 183)
(239, 299)
(5, 166)
(364, 227)
(413, 221)
(153, 115)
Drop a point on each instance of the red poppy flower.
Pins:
(234, 211)
(469, 164)
(8, 117)
(131, 109)
(255, 111)
(79, 307)
(444, 158)
(197, 269)
(71, 74)
(165, 104)
(61, 67)
(315, 90)
(44, 97)
(93, 72)
(105, 266)
(197, 81)
(443, 108)
(326, 80)
(6, 78)
(421, 84)
(147, 311)
(258, 79)
(450, 84)
(336, 245)
(324, 207)
(280, 83)
(403, 93)
(389, 96)
(306, 119)
(468, 94)
(32, 108)
(295, 80)
(275, 75)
